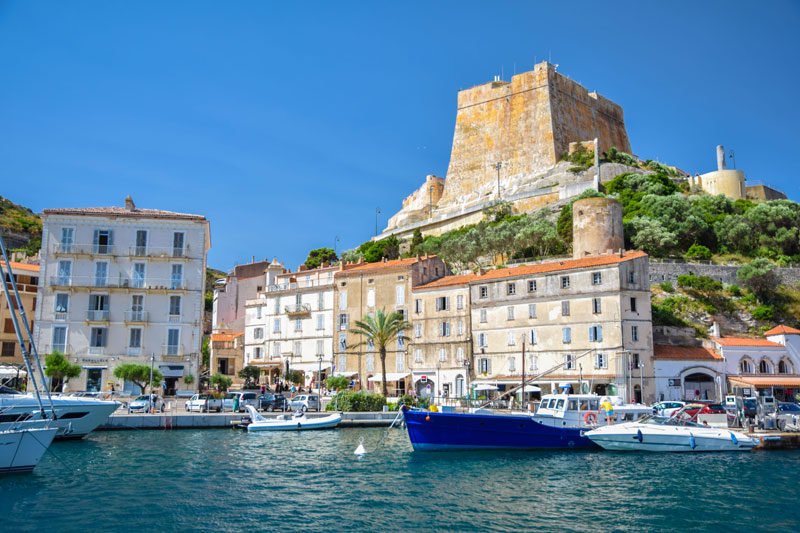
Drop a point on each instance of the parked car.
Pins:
(272, 402)
(143, 402)
(711, 414)
(305, 402)
(788, 413)
(667, 408)
(203, 402)
(235, 401)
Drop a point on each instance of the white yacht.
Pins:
(295, 422)
(22, 448)
(668, 434)
(76, 417)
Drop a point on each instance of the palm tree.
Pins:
(380, 330)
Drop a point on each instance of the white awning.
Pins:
(171, 371)
(95, 367)
(345, 374)
(309, 367)
(11, 372)
(485, 386)
(390, 376)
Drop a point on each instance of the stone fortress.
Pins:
(509, 138)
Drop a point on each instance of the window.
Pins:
(764, 367)
(444, 329)
(596, 333)
(370, 362)
(103, 241)
(635, 360)
(98, 307)
(174, 307)
(298, 324)
(141, 242)
(402, 313)
(64, 273)
(135, 338)
(531, 310)
(60, 339)
(460, 327)
(137, 308)
(565, 282)
(512, 364)
(460, 355)
(745, 366)
(442, 355)
(417, 305)
(276, 350)
(298, 301)
(418, 355)
(484, 292)
(566, 335)
(98, 337)
(597, 279)
(532, 336)
(8, 349)
(784, 367)
(569, 362)
(370, 297)
(400, 278)
(443, 303)
(400, 362)
(62, 304)
(342, 363)
(511, 340)
(460, 301)
(633, 305)
(177, 244)
(258, 312)
(344, 321)
(634, 333)
(320, 322)
(511, 312)
(482, 340)
(100, 274)
(532, 285)
(67, 239)
(632, 276)
(600, 361)
(173, 341)
(298, 348)
(176, 276)
(483, 315)
(370, 345)
(258, 333)
(400, 292)
(565, 308)
(276, 325)
(257, 352)
(596, 306)
(511, 288)
(342, 342)
(342, 300)
(277, 305)
(485, 365)
(417, 330)
(320, 301)
(320, 347)
(401, 340)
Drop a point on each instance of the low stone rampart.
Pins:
(661, 271)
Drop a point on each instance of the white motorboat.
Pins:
(76, 416)
(290, 422)
(668, 434)
(22, 448)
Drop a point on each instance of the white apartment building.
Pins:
(289, 325)
(123, 285)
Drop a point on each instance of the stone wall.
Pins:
(663, 271)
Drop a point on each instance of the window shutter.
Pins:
(111, 237)
(599, 333)
(96, 237)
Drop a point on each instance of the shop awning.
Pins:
(11, 372)
(390, 376)
(485, 386)
(95, 367)
(345, 374)
(761, 382)
(309, 367)
(171, 371)
(264, 363)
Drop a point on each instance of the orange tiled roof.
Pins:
(448, 281)
(741, 341)
(683, 353)
(769, 381)
(557, 266)
(225, 336)
(362, 267)
(31, 268)
(121, 212)
(782, 330)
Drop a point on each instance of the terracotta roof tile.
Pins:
(24, 266)
(782, 330)
(741, 341)
(121, 212)
(557, 266)
(356, 267)
(225, 336)
(769, 381)
(448, 281)
(667, 351)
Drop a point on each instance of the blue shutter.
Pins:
(599, 333)
(96, 237)
(111, 237)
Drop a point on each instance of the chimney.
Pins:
(129, 205)
(253, 260)
(721, 157)
(481, 271)
(384, 259)
(341, 265)
(715, 331)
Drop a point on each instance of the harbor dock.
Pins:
(184, 420)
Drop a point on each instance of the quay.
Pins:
(184, 420)
(776, 441)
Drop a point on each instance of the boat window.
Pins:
(573, 405)
(594, 405)
(584, 405)
(560, 404)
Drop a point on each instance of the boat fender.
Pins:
(298, 424)
(360, 450)
(428, 418)
(692, 443)
(639, 436)
(734, 439)
(590, 418)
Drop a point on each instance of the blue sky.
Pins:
(287, 124)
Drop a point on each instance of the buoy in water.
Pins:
(360, 450)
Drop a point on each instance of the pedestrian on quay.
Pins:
(609, 409)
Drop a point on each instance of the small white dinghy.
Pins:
(294, 422)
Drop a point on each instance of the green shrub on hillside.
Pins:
(763, 312)
(700, 283)
(356, 401)
(698, 251)
(666, 286)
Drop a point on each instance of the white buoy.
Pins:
(360, 450)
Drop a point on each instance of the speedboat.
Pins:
(22, 448)
(290, 422)
(75, 416)
(558, 422)
(669, 434)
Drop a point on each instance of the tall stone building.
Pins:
(506, 135)
(27, 279)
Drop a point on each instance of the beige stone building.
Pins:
(27, 279)
(227, 355)
(363, 288)
(440, 346)
(591, 316)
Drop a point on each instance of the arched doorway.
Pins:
(698, 385)
(425, 389)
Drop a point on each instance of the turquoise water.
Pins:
(226, 480)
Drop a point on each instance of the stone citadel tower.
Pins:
(596, 227)
(525, 125)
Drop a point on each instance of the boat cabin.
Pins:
(583, 410)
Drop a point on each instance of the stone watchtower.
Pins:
(596, 227)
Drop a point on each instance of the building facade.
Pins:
(123, 285)
(243, 283)
(227, 355)
(27, 279)
(363, 288)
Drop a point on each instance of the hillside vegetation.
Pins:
(16, 220)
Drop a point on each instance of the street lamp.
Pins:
(498, 166)
(152, 360)
(319, 379)
(430, 201)
(733, 158)
(335, 240)
(377, 212)
(438, 368)
(469, 391)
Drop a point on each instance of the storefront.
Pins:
(784, 388)
(171, 373)
(396, 383)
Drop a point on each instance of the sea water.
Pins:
(228, 480)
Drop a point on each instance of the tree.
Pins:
(206, 351)
(698, 251)
(337, 382)
(58, 367)
(651, 236)
(320, 255)
(294, 376)
(416, 240)
(188, 379)
(380, 330)
(249, 374)
(759, 275)
(220, 381)
(138, 375)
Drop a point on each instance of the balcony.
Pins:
(60, 281)
(150, 252)
(298, 310)
(136, 316)
(61, 316)
(95, 315)
(173, 319)
(83, 249)
(64, 349)
(172, 350)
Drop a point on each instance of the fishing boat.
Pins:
(290, 422)
(22, 448)
(558, 423)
